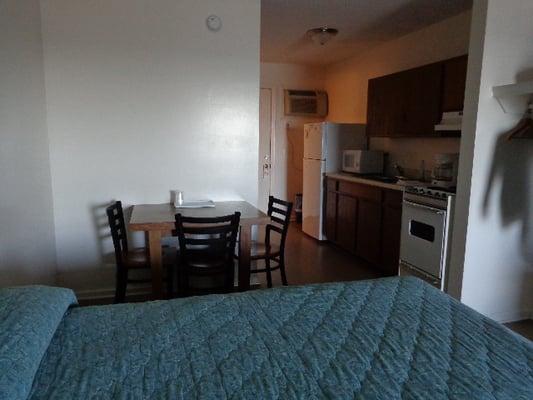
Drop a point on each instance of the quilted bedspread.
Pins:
(29, 317)
(379, 339)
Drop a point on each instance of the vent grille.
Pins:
(306, 103)
(309, 93)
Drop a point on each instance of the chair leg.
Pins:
(170, 281)
(117, 288)
(268, 272)
(183, 278)
(282, 271)
(231, 278)
(121, 283)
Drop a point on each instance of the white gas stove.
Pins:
(426, 233)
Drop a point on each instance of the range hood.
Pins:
(451, 121)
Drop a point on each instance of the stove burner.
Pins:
(441, 189)
(431, 191)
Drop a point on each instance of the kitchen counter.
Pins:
(371, 182)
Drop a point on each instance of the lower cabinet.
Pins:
(369, 229)
(346, 222)
(330, 222)
(366, 221)
(391, 233)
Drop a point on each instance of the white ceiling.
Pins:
(361, 24)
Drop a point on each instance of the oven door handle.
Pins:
(435, 210)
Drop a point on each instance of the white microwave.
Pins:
(362, 161)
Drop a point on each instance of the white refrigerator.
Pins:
(323, 146)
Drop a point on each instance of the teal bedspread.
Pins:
(29, 317)
(378, 339)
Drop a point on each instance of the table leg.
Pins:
(245, 245)
(156, 263)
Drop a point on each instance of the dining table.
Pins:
(158, 221)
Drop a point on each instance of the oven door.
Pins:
(408, 270)
(423, 235)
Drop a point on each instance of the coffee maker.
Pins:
(445, 170)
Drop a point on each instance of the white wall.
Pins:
(27, 252)
(287, 138)
(142, 98)
(347, 83)
(494, 219)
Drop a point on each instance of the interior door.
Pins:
(265, 133)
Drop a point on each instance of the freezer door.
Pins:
(314, 141)
(312, 198)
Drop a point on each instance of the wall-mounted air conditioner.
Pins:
(306, 103)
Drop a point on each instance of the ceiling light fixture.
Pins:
(322, 35)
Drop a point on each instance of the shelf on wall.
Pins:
(514, 98)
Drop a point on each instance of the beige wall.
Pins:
(287, 138)
(347, 82)
(27, 249)
(492, 252)
(142, 98)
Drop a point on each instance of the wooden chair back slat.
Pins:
(277, 220)
(210, 242)
(277, 210)
(209, 227)
(280, 213)
(115, 216)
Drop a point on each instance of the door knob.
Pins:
(266, 168)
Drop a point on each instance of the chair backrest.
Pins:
(115, 215)
(279, 212)
(212, 240)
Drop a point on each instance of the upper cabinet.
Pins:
(410, 103)
(454, 83)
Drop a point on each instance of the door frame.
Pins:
(272, 136)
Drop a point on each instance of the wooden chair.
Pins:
(207, 246)
(130, 259)
(280, 214)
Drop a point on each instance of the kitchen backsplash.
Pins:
(410, 152)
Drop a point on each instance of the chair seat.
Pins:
(204, 261)
(260, 250)
(137, 258)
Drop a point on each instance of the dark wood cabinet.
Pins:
(346, 222)
(420, 107)
(369, 231)
(365, 220)
(410, 103)
(330, 223)
(384, 98)
(454, 84)
(391, 232)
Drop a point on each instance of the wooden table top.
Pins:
(146, 217)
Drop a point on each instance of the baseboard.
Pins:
(109, 293)
(506, 318)
(144, 290)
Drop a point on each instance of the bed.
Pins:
(378, 339)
